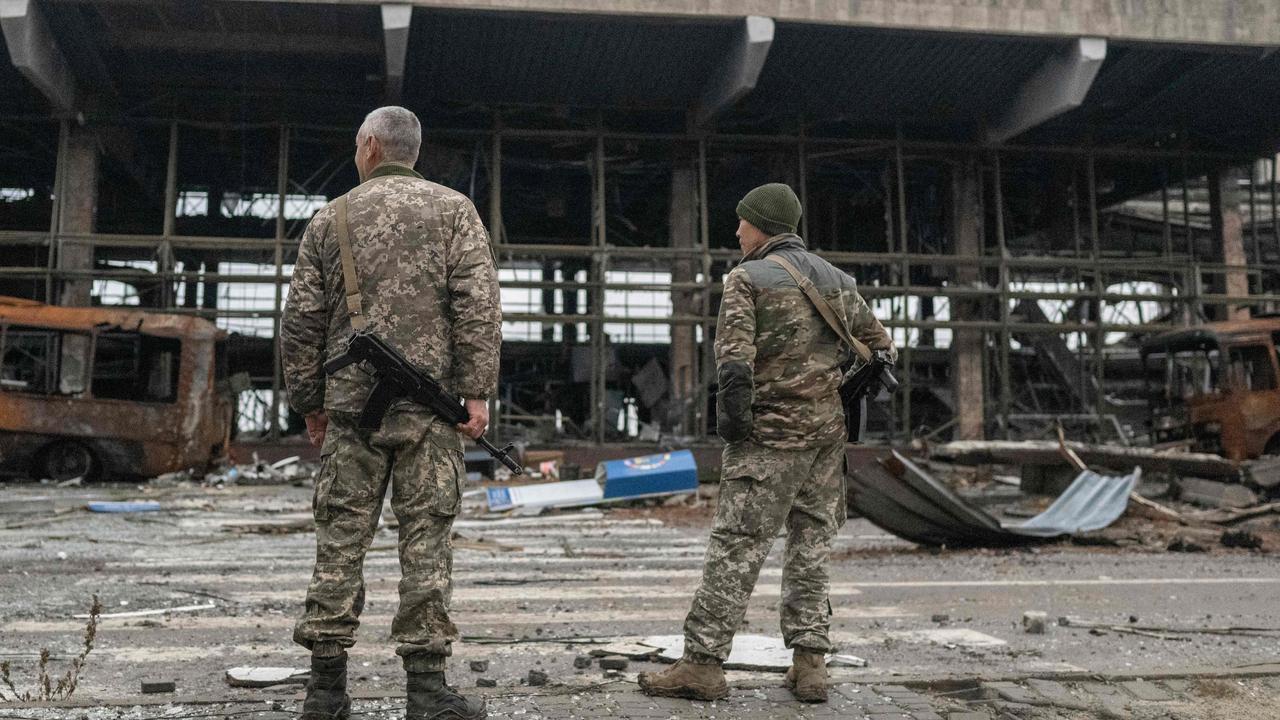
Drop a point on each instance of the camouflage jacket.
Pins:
(778, 361)
(429, 287)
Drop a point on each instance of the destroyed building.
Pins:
(1024, 195)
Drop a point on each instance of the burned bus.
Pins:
(98, 392)
(1216, 387)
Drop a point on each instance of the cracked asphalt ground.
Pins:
(534, 593)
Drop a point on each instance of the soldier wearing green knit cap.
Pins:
(779, 412)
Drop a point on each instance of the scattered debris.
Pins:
(846, 661)
(939, 618)
(632, 650)
(1173, 633)
(898, 496)
(123, 507)
(536, 678)
(261, 677)
(1263, 473)
(1213, 494)
(1047, 452)
(150, 687)
(1185, 545)
(486, 682)
(479, 666)
(613, 663)
(145, 613)
(1035, 622)
(574, 493)
(582, 662)
(1241, 539)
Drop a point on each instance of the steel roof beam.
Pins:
(1060, 84)
(396, 18)
(35, 53)
(738, 71)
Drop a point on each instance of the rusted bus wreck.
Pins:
(1216, 387)
(96, 392)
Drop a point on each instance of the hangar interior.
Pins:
(1019, 209)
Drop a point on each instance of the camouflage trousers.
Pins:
(420, 458)
(761, 489)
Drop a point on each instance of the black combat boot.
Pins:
(327, 690)
(431, 699)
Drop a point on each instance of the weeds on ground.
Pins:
(45, 688)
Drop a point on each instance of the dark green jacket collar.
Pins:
(393, 168)
(777, 242)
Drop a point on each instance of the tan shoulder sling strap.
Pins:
(350, 283)
(824, 308)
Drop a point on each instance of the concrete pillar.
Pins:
(683, 224)
(968, 381)
(1228, 233)
(77, 209)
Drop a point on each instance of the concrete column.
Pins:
(683, 224)
(1228, 232)
(968, 381)
(77, 209)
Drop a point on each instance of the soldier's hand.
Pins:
(479, 422)
(317, 424)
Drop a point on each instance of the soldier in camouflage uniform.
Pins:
(428, 283)
(779, 412)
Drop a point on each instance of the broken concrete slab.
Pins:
(1213, 494)
(1035, 622)
(749, 652)
(613, 663)
(632, 650)
(479, 666)
(261, 677)
(536, 678)
(1263, 472)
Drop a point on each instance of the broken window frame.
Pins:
(1244, 375)
(55, 382)
(141, 391)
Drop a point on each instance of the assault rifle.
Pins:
(860, 384)
(395, 378)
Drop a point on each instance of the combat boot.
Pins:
(807, 677)
(695, 681)
(327, 690)
(431, 699)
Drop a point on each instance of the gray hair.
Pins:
(397, 129)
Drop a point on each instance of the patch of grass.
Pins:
(46, 689)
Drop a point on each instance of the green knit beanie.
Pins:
(774, 208)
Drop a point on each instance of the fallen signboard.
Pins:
(648, 476)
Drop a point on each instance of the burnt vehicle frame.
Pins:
(104, 393)
(1216, 387)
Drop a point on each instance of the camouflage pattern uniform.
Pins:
(429, 286)
(778, 409)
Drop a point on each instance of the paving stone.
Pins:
(882, 708)
(1052, 691)
(1148, 692)
(892, 689)
(1177, 686)
(1012, 692)
(925, 715)
(968, 716)
(888, 716)
(1111, 697)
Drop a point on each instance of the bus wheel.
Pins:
(67, 460)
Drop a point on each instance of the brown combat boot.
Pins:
(695, 681)
(807, 678)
